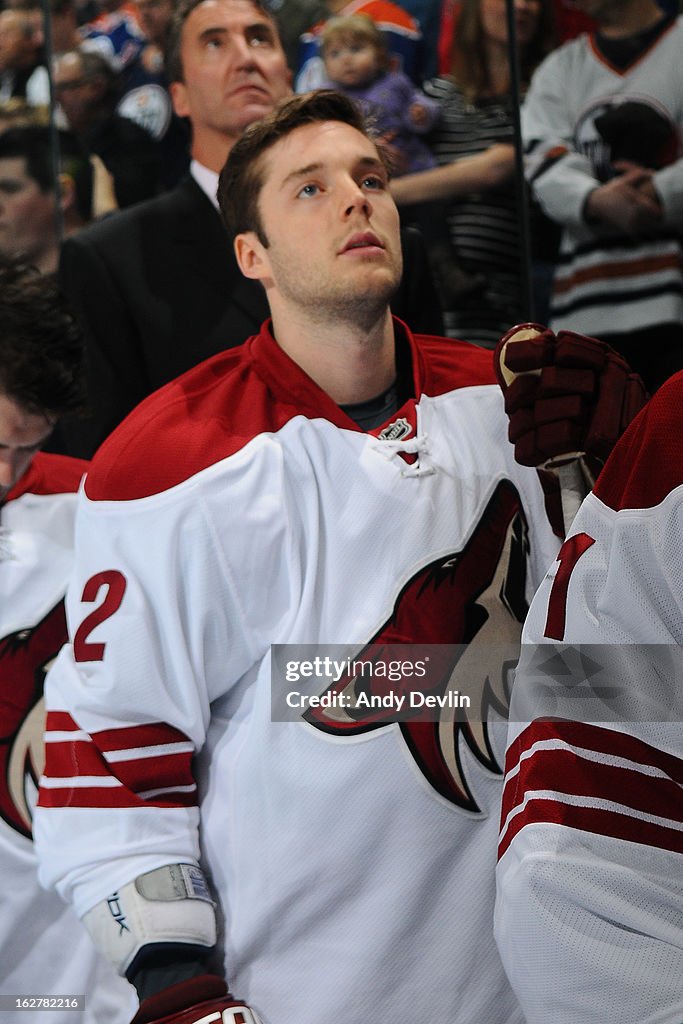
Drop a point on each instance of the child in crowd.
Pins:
(357, 63)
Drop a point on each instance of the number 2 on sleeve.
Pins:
(570, 553)
(115, 584)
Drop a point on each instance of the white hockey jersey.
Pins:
(589, 918)
(44, 949)
(240, 507)
(581, 115)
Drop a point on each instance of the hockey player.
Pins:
(590, 909)
(336, 480)
(46, 953)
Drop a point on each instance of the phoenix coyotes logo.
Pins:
(25, 657)
(473, 597)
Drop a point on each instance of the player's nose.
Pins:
(354, 199)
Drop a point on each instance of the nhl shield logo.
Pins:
(396, 431)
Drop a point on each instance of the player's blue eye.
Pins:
(373, 182)
(308, 190)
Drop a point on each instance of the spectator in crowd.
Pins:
(401, 30)
(22, 74)
(477, 124)
(29, 195)
(157, 288)
(45, 949)
(603, 122)
(569, 22)
(335, 480)
(87, 90)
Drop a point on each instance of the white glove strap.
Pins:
(169, 904)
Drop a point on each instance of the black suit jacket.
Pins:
(157, 290)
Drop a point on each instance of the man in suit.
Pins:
(157, 287)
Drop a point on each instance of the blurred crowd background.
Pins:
(88, 129)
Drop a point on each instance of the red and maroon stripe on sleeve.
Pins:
(131, 766)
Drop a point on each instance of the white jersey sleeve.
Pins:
(590, 876)
(142, 612)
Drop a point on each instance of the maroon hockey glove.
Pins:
(202, 1000)
(567, 396)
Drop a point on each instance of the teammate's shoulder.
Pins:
(195, 421)
(647, 463)
(50, 474)
(452, 364)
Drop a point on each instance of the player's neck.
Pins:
(631, 16)
(351, 362)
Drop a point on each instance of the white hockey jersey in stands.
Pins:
(45, 950)
(580, 118)
(240, 507)
(589, 918)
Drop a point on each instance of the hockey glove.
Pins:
(567, 396)
(202, 1000)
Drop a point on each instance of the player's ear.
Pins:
(252, 256)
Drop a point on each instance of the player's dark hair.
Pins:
(41, 347)
(33, 143)
(241, 180)
(173, 61)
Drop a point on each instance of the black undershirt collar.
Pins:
(623, 52)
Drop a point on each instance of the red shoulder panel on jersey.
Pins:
(647, 463)
(215, 409)
(595, 780)
(452, 364)
(50, 474)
